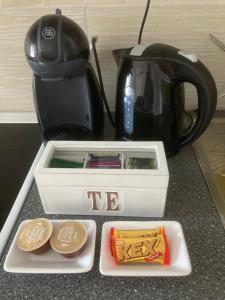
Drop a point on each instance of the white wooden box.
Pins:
(123, 191)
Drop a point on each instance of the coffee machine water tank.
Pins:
(67, 96)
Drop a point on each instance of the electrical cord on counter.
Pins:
(93, 41)
(143, 21)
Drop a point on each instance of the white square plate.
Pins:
(18, 261)
(180, 264)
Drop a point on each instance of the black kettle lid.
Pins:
(141, 52)
(146, 51)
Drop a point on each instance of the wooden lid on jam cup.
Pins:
(34, 236)
(69, 237)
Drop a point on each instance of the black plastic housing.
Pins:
(150, 103)
(56, 48)
(70, 109)
(67, 95)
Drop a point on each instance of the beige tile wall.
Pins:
(184, 24)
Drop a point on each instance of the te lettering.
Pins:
(111, 200)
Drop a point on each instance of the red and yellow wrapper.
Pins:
(138, 246)
(145, 233)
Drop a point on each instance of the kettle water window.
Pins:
(71, 159)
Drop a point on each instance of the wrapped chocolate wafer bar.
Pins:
(139, 246)
(137, 233)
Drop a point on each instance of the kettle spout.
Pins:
(120, 54)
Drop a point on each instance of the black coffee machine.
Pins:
(67, 95)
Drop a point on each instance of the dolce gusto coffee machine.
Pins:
(67, 95)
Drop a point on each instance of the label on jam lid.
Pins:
(34, 234)
(68, 237)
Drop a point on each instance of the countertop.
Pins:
(188, 202)
(19, 146)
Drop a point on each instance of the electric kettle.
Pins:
(150, 102)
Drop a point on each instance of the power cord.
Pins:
(93, 41)
(143, 21)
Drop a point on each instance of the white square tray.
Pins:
(180, 264)
(18, 261)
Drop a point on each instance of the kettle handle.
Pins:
(187, 68)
